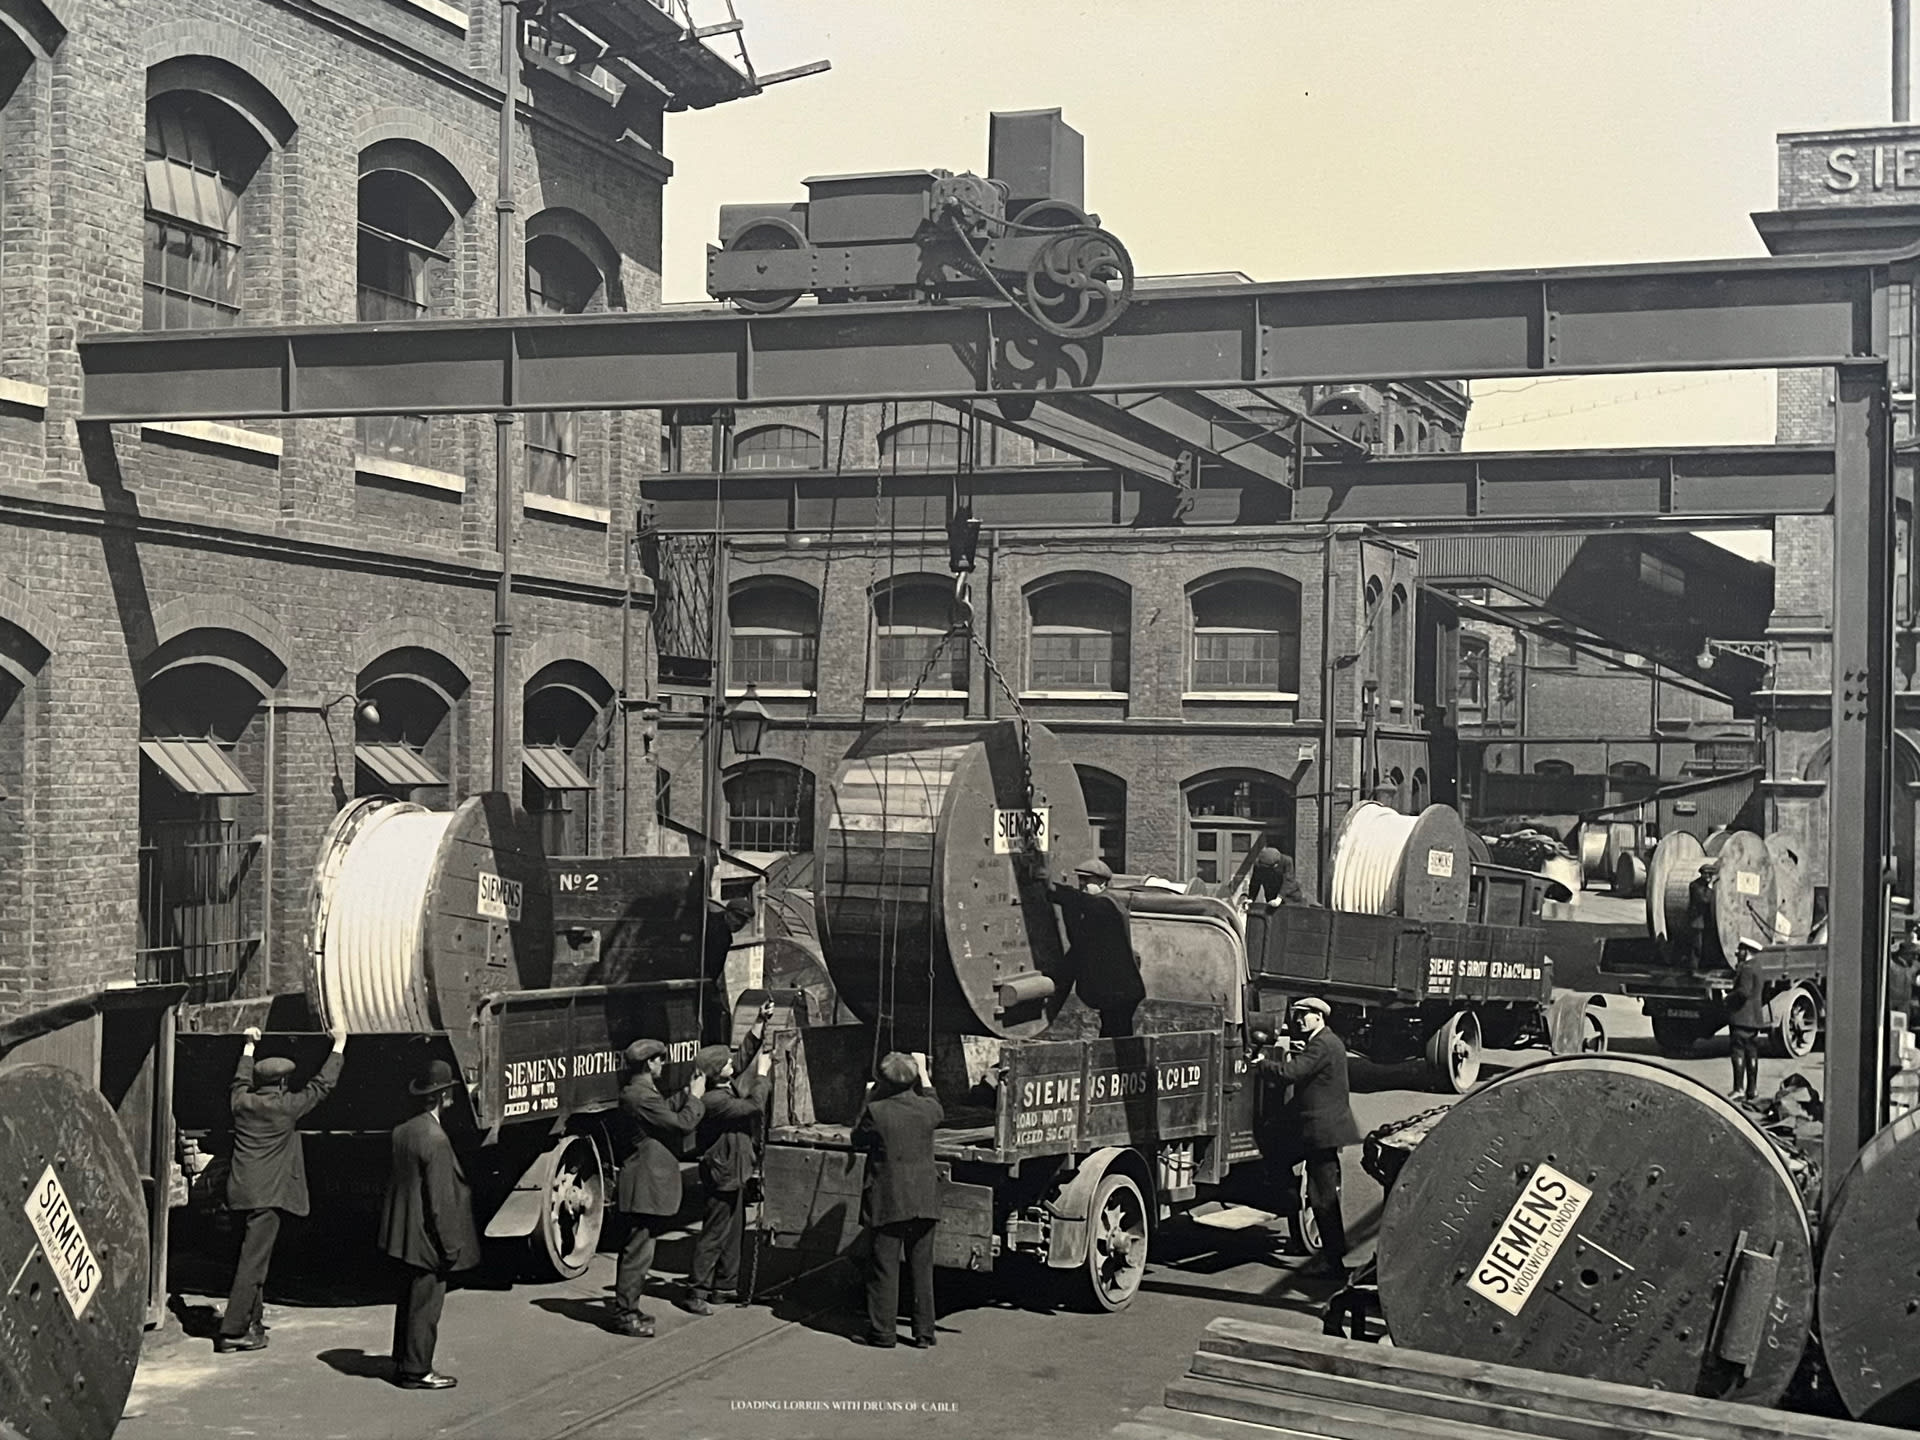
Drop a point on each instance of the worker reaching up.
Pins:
(650, 1178)
(900, 1201)
(729, 1131)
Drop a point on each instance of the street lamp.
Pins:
(748, 720)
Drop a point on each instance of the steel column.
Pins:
(1859, 799)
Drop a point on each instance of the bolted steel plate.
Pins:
(1870, 1280)
(1602, 1216)
(73, 1243)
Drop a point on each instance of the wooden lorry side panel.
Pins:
(1074, 1096)
(547, 1054)
(1482, 963)
(813, 1204)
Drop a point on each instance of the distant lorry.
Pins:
(1097, 1077)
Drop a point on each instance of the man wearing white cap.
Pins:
(1322, 1119)
(1747, 1018)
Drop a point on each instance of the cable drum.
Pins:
(1419, 867)
(1596, 842)
(416, 914)
(1676, 861)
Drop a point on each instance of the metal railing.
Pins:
(199, 904)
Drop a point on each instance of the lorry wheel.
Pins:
(1594, 1041)
(1116, 1242)
(1797, 1025)
(1453, 1053)
(572, 1210)
(1675, 1036)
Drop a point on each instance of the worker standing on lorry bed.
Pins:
(1274, 878)
(900, 1202)
(1100, 948)
(268, 1178)
(650, 1179)
(1700, 911)
(729, 1131)
(1747, 1020)
(1322, 1118)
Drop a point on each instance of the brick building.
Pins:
(192, 616)
(1841, 190)
(1182, 659)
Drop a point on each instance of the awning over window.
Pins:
(196, 767)
(395, 764)
(554, 768)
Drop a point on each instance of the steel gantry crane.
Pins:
(1800, 312)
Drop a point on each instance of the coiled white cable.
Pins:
(1368, 860)
(372, 968)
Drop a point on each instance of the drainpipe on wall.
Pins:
(503, 209)
(1329, 734)
(1902, 46)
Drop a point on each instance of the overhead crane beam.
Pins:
(1775, 312)
(1781, 312)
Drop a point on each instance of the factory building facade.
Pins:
(211, 636)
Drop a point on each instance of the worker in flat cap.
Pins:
(1700, 924)
(1746, 1018)
(1319, 1114)
(1274, 879)
(1100, 954)
(268, 1179)
(900, 1200)
(658, 1126)
(738, 1085)
(426, 1226)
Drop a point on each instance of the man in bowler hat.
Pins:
(650, 1178)
(1320, 1117)
(735, 1103)
(900, 1202)
(427, 1225)
(269, 1173)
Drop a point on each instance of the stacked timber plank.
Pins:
(1250, 1380)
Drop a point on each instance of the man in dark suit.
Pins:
(650, 1178)
(729, 1136)
(1747, 1018)
(1274, 879)
(427, 1225)
(1100, 956)
(1321, 1116)
(269, 1174)
(900, 1202)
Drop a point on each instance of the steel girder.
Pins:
(1787, 311)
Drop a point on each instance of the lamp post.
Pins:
(746, 721)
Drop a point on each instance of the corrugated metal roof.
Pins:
(554, 768)
(196, 767)
(1529, 565)
(395, 763)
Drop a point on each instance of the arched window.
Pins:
(1246, 636)
(560, 723)
(1106, 797)
(769, 807)
(23, 766)
(203, 748)
(1373, 634)
(1630, 770)
(410, 204)
(408, 746)
(922, 445)
(911, 616)
(1399, 625)
(775, 628)
(560, 281)
(1079, 637)
(1555, 769)
(201, 154)
(1230, 814)
(1421, 795)
(777, 447)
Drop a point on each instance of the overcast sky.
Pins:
(1288, 139)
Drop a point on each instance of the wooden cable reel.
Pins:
(1418, 867)
(1793, 892)
(920, 874)
(1604, 1216)
(75, 1228)
(1869, 1293)
(1676, 861)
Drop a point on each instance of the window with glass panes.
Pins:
(1079, 639)
(560, 281)
(1106, 797)
(402, 261)
(1230, 817)
(1246, 636)
(199, 156)
(769, 808)
(922, 445)
(774, 628)
(1471, 689)
(776, 447)
(910, 620)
